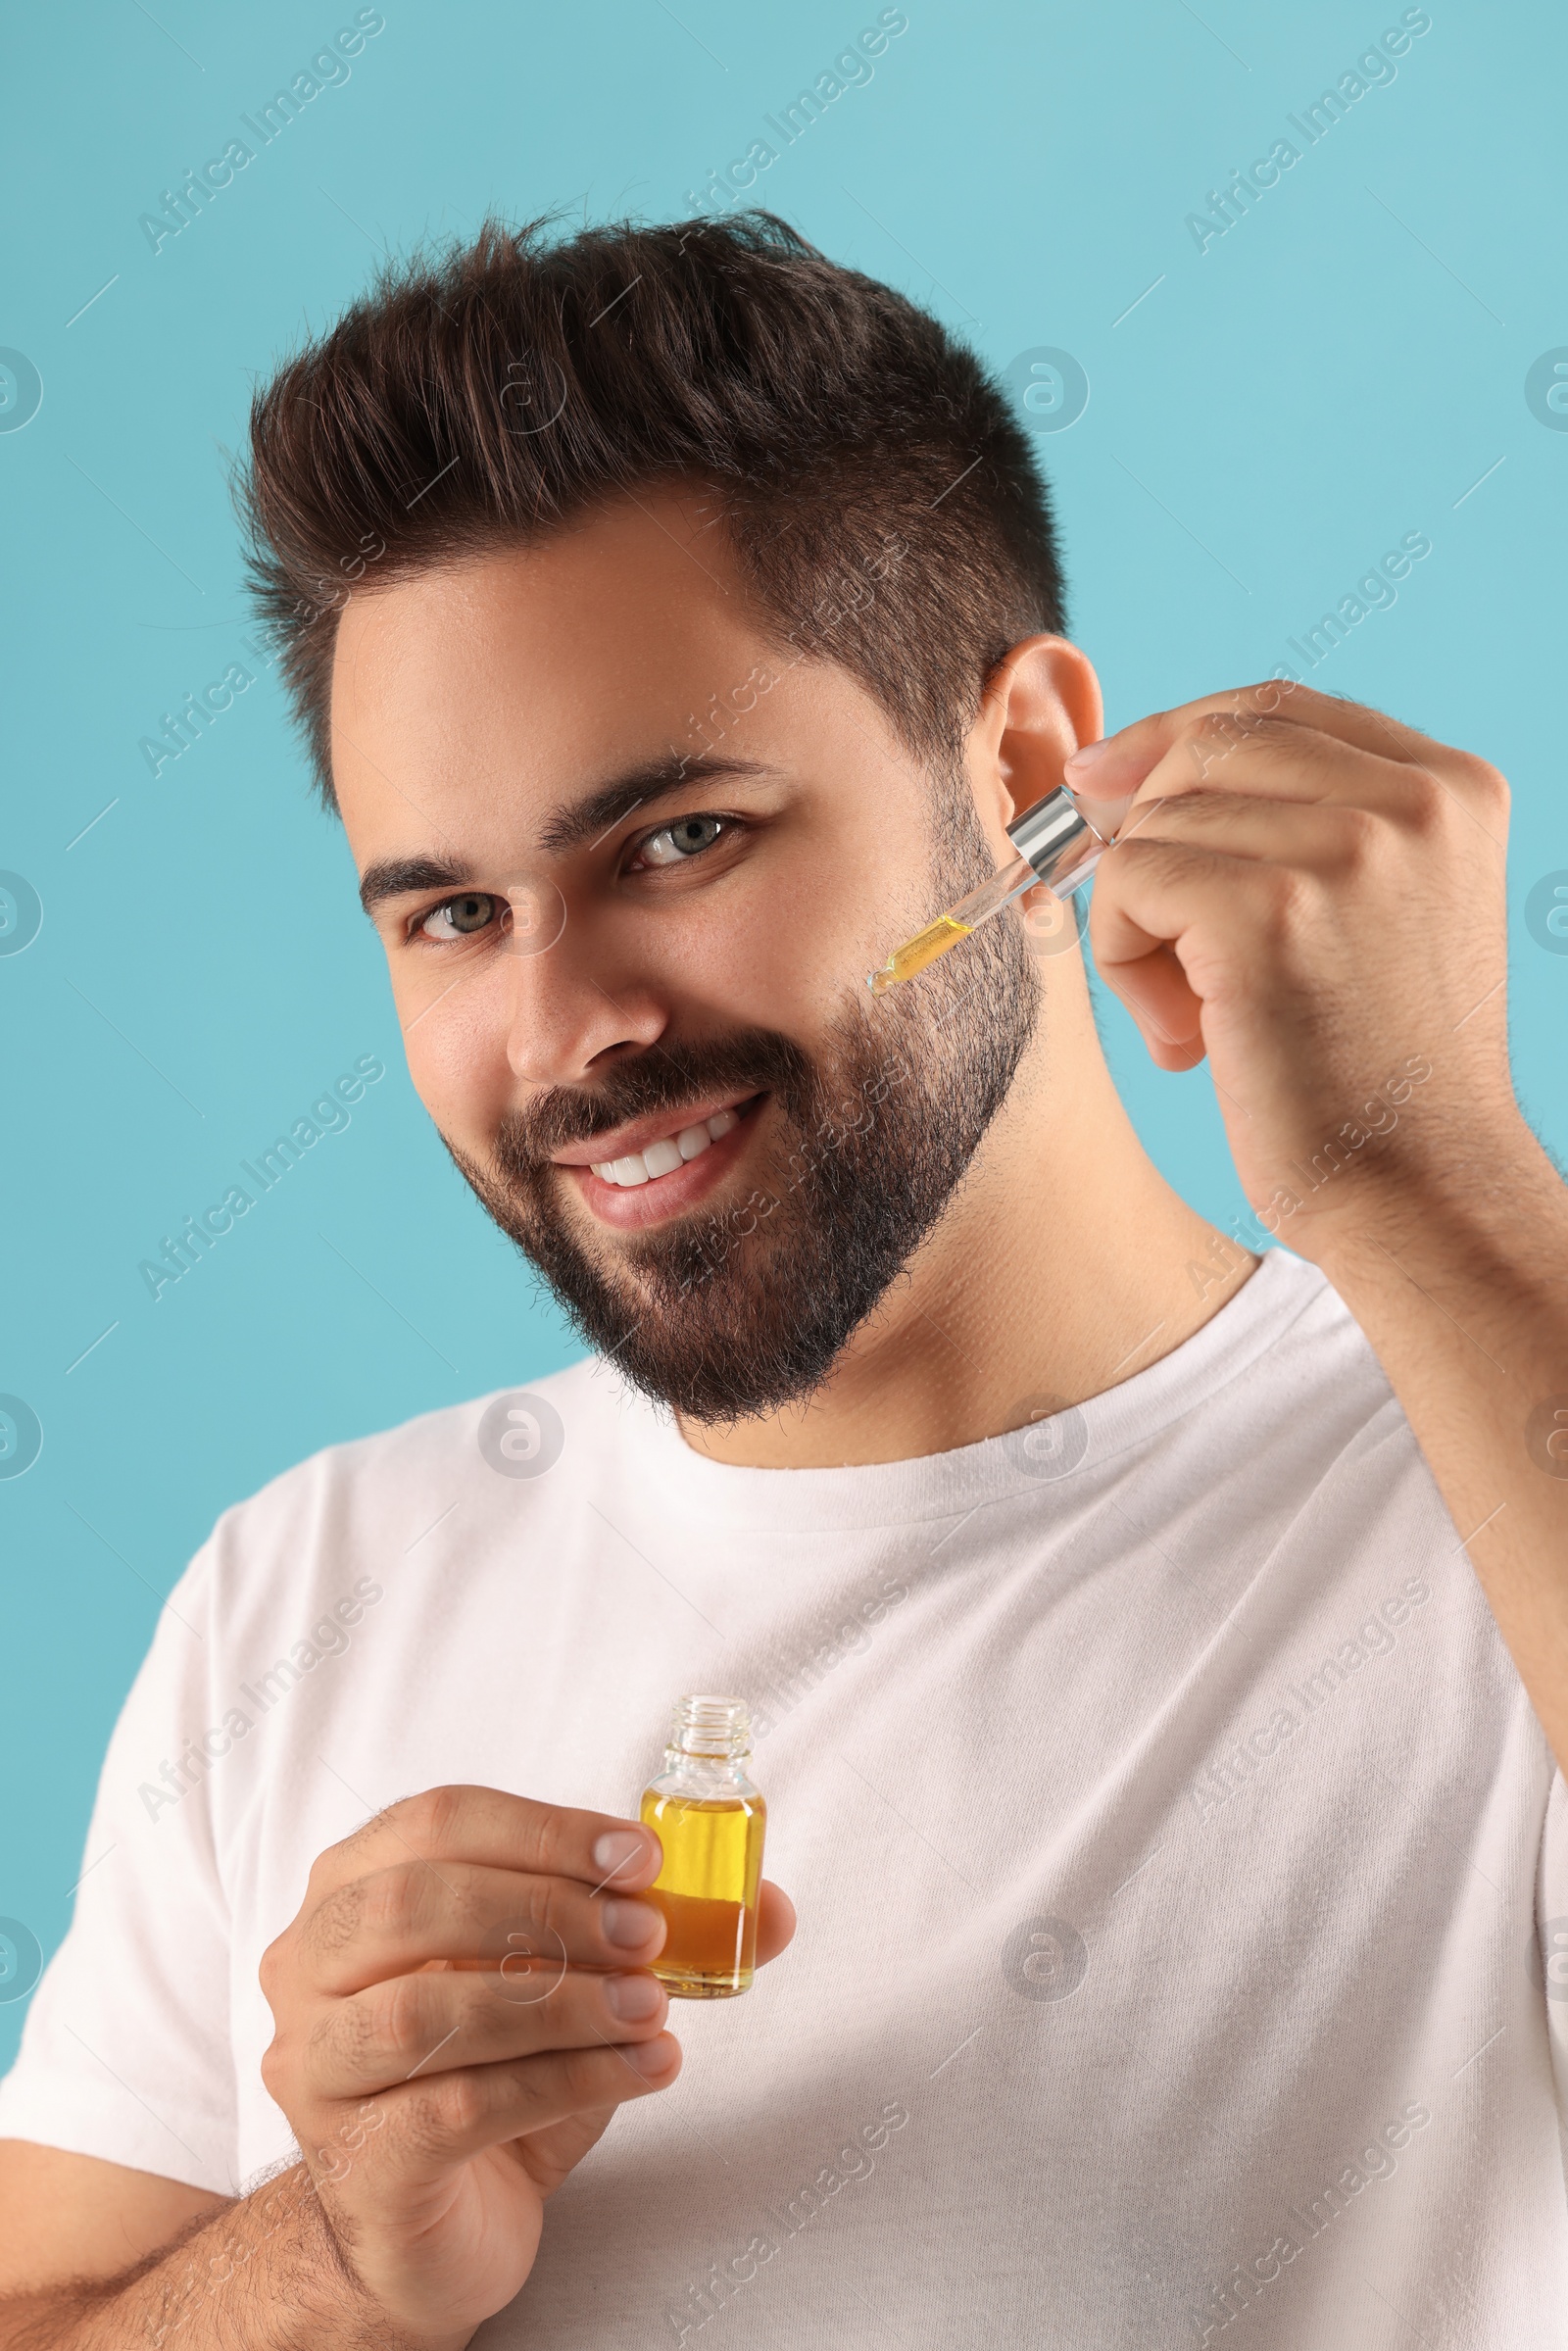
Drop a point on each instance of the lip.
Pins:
(618, 1142)
(630, 1207)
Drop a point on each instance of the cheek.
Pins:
(750, 965)
(455, 1043)
(773, 954)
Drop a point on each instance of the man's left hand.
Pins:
(1313, 895)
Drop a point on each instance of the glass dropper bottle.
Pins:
(1055, 844)
(711, 1821)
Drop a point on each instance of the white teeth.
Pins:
(663, 1158)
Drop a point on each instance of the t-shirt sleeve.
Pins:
(126, 2050)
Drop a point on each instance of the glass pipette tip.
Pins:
(1057, 845)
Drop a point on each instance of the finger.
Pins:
(1278, 759)
(548, 2154)
(1277, 762)
(775, 1922)
(414, 1911)
(1165, 1006)
(434, 2126)
(430, 2023)
(1118, 764)
(489, 1826)
(1323, 837)
(1165, 892)
(1151, 920)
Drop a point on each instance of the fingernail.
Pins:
(633, 1998)
(628, 1923)
(1088, 753)
(619, 1848)
(651, 2058)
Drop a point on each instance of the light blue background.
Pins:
(1337, 371)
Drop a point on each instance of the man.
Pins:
(1154, 1650)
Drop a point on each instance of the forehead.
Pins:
(522, 664)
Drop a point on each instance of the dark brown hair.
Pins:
(885, 505)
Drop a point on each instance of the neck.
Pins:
(1064, 1266)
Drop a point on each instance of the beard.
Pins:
(726, 1315)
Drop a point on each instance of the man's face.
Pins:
(631, 860)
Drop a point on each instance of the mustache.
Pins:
(668, 1078)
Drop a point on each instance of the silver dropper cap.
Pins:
(1057, 839)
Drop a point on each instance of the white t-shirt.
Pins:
(1175, 1850)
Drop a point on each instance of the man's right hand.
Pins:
(449, 2043)
(461, 2005)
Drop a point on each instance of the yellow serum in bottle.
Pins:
(709, 1820)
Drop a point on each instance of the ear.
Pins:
(1040, 701)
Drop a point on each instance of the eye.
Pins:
(461, 917)
(686, 838)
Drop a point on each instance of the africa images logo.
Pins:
(521, 1435)
(179, 207)
(328, 1114)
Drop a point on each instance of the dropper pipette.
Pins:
(1055, 844)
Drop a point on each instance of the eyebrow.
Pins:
(396, 877)
(597, 812)
(567, 826)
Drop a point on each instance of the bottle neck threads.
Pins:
(716, 1729)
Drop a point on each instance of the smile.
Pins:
(669, 1152)
(664, 1165)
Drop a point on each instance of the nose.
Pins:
(571, 1010)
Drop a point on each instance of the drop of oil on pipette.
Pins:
(916, 953)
